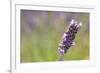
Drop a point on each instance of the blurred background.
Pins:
(41, 32)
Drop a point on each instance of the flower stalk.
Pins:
(68, 38)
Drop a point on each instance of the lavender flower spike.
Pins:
(68, 37)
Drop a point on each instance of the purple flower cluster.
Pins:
(68, 37)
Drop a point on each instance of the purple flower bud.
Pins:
(68, 37)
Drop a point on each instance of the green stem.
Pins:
(61, 57)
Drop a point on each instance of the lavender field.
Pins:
(41, 32)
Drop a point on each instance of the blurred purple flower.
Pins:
(68, 37)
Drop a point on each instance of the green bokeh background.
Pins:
(41, 32)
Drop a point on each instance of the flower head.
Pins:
(68, 37)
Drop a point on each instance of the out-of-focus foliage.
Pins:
(41, 32)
